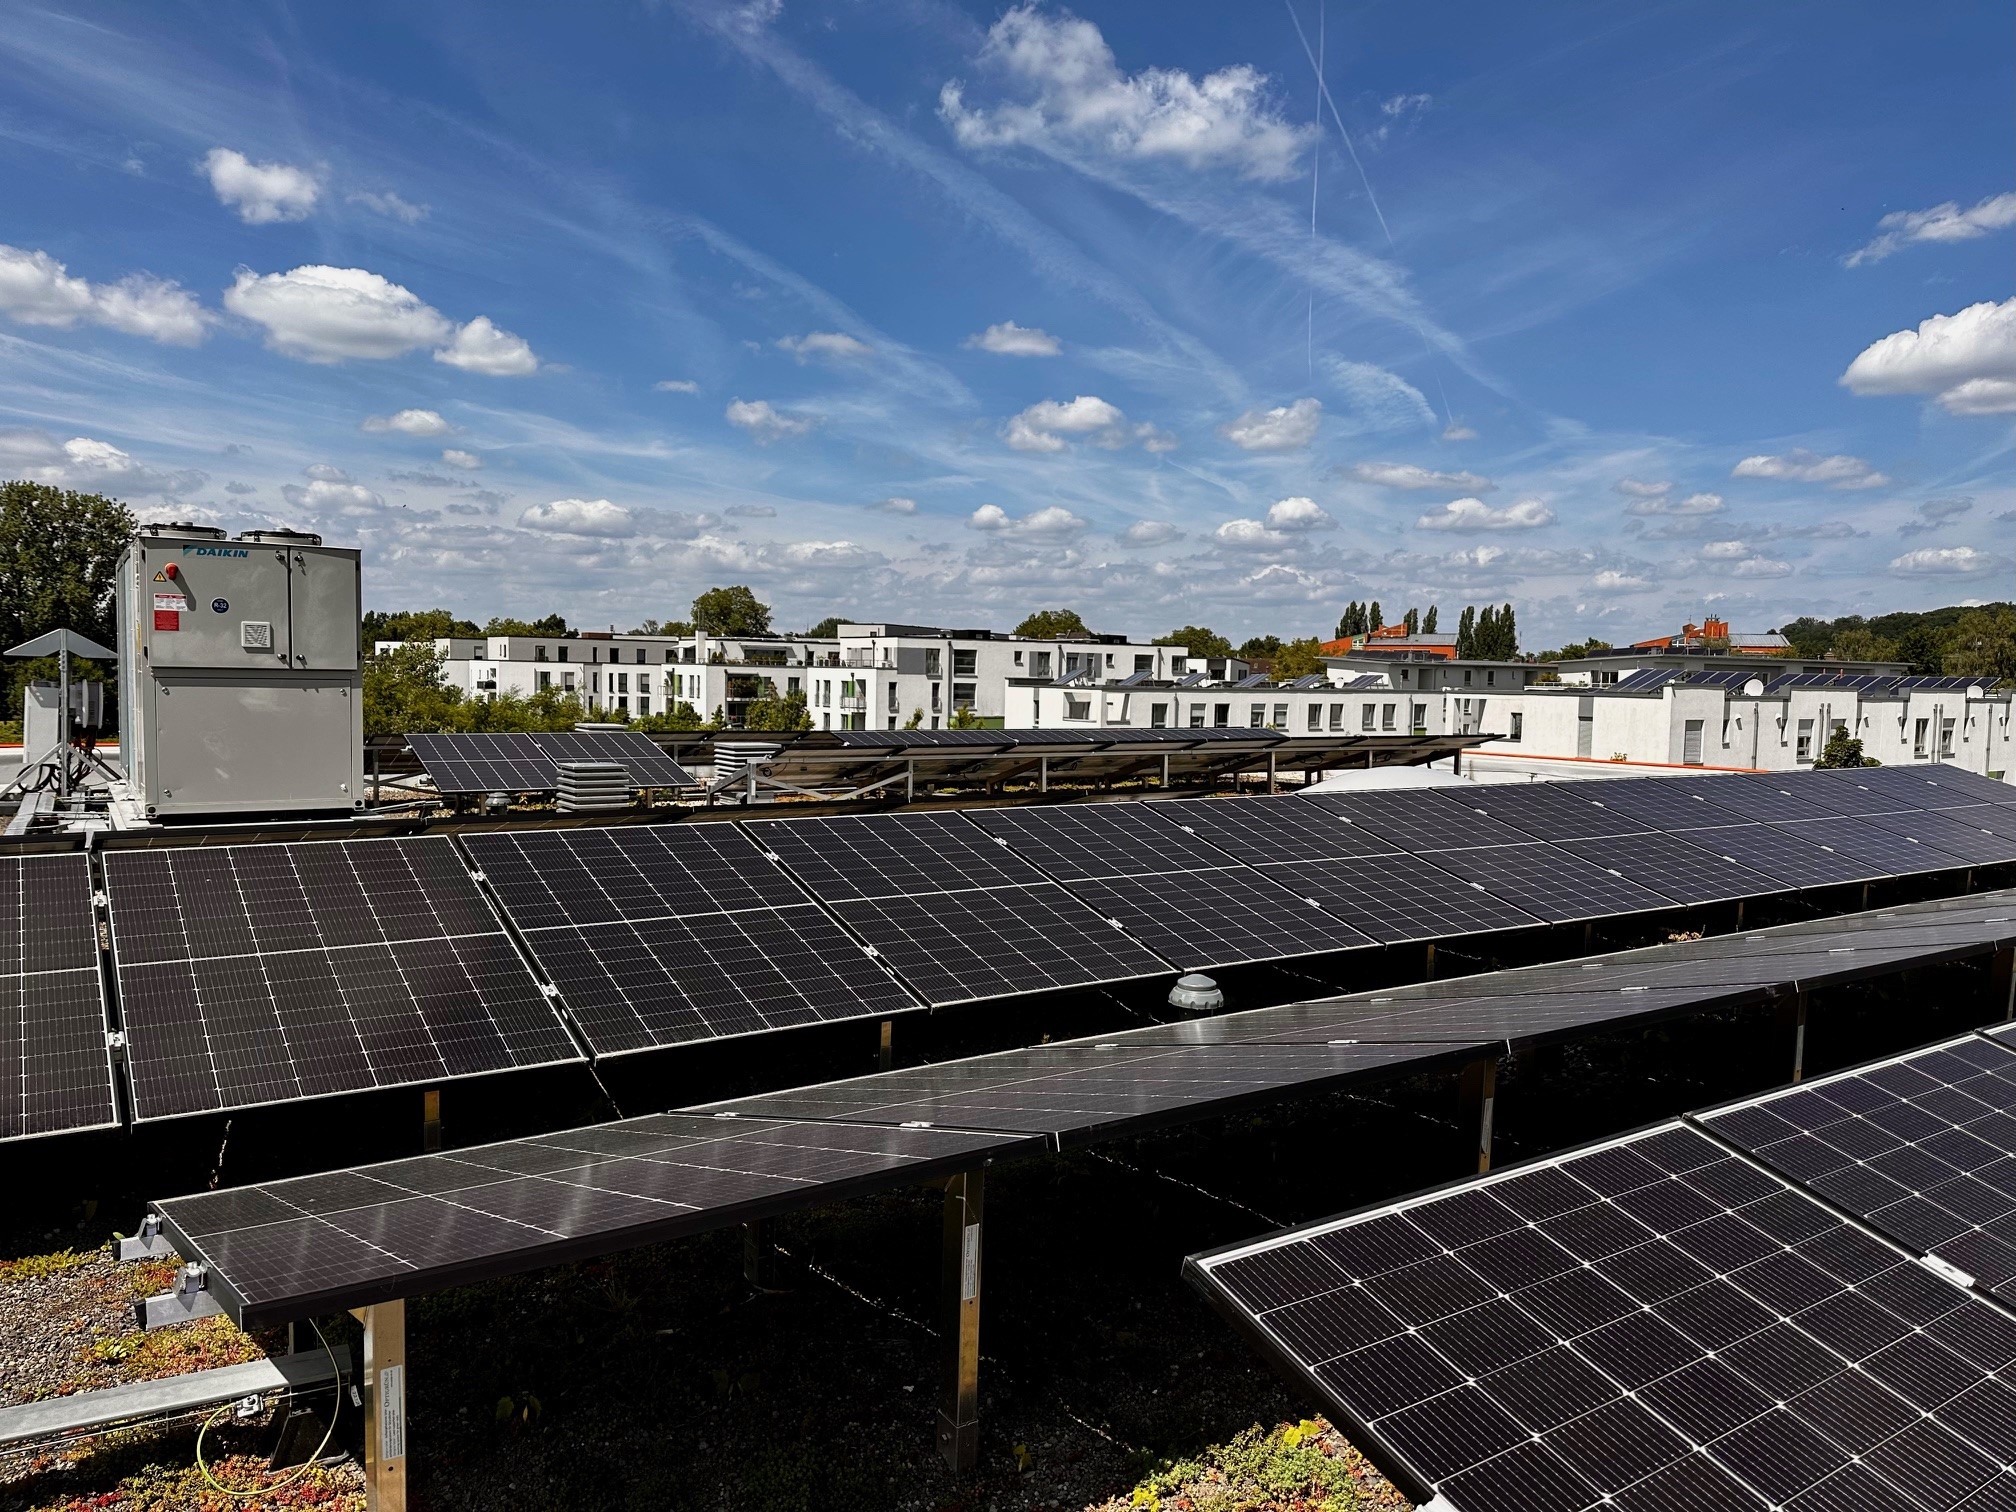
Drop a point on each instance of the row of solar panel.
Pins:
(334, 1240)
(255, 974)
(526, 762)
(1792, 1302)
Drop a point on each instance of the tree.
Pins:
(551, 625)
(1428, 624)
(1859, 643)
(963, 718)
(827, 628)
(1575, 649)
(1412, 621)
(1197, 640)
(1352, 624)
(731, 611)
(59, 551)
(1052, 624)
(1298, 658)
(666, 627)
(681, 716)
(916, 719)
(774, 711)
(1260, 647)
(413, 624)
(1983, 644)
(1842, 750)
(403, 692)
(541, 709)
(1466, 633)
(1374, 620)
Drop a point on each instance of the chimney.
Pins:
(1715, 629)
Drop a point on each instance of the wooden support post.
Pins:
(1428, 966)
(886, 1054)
(1865, 897)
(430, 1120)
(2003, 978)
(1739, 916)
(959, 1400)
(1478, 1091)
(384, 1405)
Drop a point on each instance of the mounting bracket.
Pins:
(149, 1244)
(191, 1299)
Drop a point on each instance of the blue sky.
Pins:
(941, 311)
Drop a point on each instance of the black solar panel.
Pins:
(55, 1068)
(660, 934)
(1397, 898)
(295, 1249)
(1671, 803)
(1551, 884)
(1287, 828)
(1842, 793)
(1922, 1146)
(1421, 822)
(1073, 841)
(1789, 859)
(1955, 784)
(263, 973)
(891, 855)
(1645, 680)
(1554, 810)
(1898, 855)
(1650, 1325)
(1758, 798)
(1676, 868)
(634, 751)
(484, 763)
(1955, 833)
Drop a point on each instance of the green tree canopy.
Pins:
(414, 624)
(403, 692)
(1197, 640)
(1259, 647)
(1428, 624)
(828, 627)
(681, 716)
(59, 551)
(552, 624)
(1374, 619)
(963, 718)
(1298, 658)
(1860, 643)
(1353, 622)
(1983, 644)
(1575, 649)
(664, 627)
(731, 611)
(1049, 624)
(1842, 750)
(778, 712)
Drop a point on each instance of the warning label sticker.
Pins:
(167, 601)
(168, 619)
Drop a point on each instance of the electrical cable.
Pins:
(335, 1410)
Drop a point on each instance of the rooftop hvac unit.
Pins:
(592, 787)
(240, 686)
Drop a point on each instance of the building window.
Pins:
(934, 661)
(640, 654)
(1386, 712)
(643, 706)
(1419, 723)
(668, 653)
(1466, 677)
(1280, 721)
(1221, 715)
(1366, 723)
(1315, 716)
(538, 653)
(542, 680)
(967, 663)
(622, 682)
(563, 653)
(1077, 708)
(1337, 717)
(1179, 666)
(1258, 716)
(1918, 738)
(964, 694)
(1945, 740)
(1158, 716)
(1196, 716)
(1018, 658)
(1144, 664)
(1490, 679)
(1039, 664)
(1805, 749)
(1518, 730)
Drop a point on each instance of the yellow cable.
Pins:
(305, 1466)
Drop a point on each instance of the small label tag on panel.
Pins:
(167, 619)
(167, 601)
(969, 1264)
(392, 1412)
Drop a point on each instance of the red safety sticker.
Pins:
(167, 619)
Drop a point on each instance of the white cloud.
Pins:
(1761, 567)
(1380, 399)
(482, 347)
(824, 554)
(675, 386)
(261, 193)
(1151, 533)
(1283, 428)
(751, 511)
(1802, 466)
(329, 496)
(85, 463)
(1074, 97)
(824, 346)
(324, 314)
(1457, 431)
(1612, 581)
(1693, 505)
(1011, 340)
(1299, 514)
(1052, 520)
(1248, 535)
(1407, 475)
(764, 422)
(326, 472)
(581, 517)
(1941, 561)
(1942, 223)
(1154, 439)
(1474, 514)
(464, 459)
(408, 422)
(37, 290)
(1047, 425)
(895, 505)
(1724, 551)
(1639, 488)
(391, 206)
(1967, 359)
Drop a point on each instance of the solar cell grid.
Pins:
(891, 855)
(1652, 1325)
(1786, 857)
(1758, 798)
(261, 973)
(634, 751)
(1669, 803)
(1285, 828)
(1953, 832)
(506, 762)
(1551, 884)
(1554, 811)
(1098, 840)
(55, 1070)
(1685, 872)
(1218, 917)
(1398, 898)
(1421, 822)
(1860, 840)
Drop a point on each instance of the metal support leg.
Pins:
(1739, 916)
(384, 1406)
(2004, 982)
(959, 1402)
(1042, 774)
(1588, 938)
(1273, 785)
(910, 780)
(886, 1052)
(430, 1120)
(1479, 1092)
(1799, 1038)
(1428, 966)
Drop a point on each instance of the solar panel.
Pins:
(1074, 841)
(1551, 884)
(661, 934)
(634, 751)
(1758, 798)
(1648, 1325)
(1645, 679)
(1899, 855)
(1730, 679)
(295, 1249)
(1835, 792)
(1286, 828)
(1786, 858)
(1399, 898)
(484, 763)
(1671, 803)
(1554, 811)
(1965, 786)
(252, 974)
(55, 1066)
(1687, 873)
(887, 855)
(1922, 1146)
(1422, 822)
(1953, 834)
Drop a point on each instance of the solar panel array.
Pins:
(292, 1248)
(55, 1067)
(1645, 680)
(656, 935)
(254, 974)
(1650, 1325)
(523, 762)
